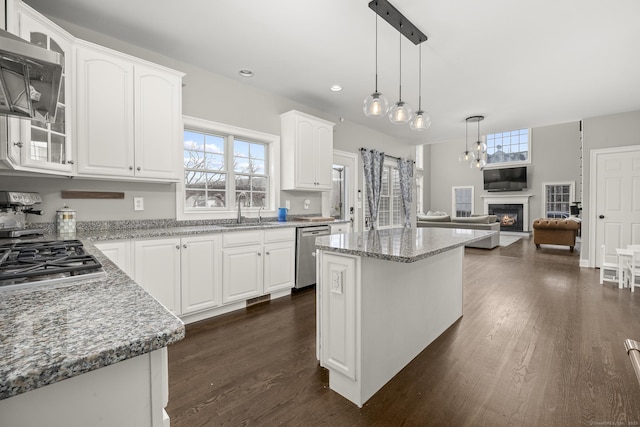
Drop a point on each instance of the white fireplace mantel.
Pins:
(508, 199)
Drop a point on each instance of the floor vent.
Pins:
(258, 300)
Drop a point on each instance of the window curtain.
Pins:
(373, 163)
(405, 171)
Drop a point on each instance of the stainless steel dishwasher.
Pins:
(305, 251)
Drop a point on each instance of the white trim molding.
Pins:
(508, 199)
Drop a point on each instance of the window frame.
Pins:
(230, 132)
(501, 165)
(454, 209)
(572, 194)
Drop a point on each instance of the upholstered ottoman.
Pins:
(551, 231)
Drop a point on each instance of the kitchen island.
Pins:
(383, 297)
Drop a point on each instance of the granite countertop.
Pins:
(142, 233)
(400, 244)
(53, 332)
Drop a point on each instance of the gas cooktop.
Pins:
(26, 264)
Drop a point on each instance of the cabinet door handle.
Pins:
(184, 246)
(138, 168)
(130, 168)
(259, 254)
(177, 246)
(70, 162)
(268, 253)
(601, 217)
(18, 144)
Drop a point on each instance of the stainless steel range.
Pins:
(26, 264)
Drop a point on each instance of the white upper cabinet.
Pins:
(129, 116)
(105, 112)
(307, 152)
(33, 145)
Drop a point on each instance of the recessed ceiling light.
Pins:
(246, 73)
(336, 88)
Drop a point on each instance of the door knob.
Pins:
(601, 217)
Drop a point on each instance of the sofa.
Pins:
(474, 222)
(551, 231)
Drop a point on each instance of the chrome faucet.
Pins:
(241, 195)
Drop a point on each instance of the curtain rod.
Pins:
(387, 155)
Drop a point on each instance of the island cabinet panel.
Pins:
(340, 311)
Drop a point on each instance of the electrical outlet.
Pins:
(138, 204)
(287, 204)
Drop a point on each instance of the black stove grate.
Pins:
(41, 260)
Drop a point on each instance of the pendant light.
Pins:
(376, 104)
(467, 156)
(481, 147)
(421, 121)
(401, 112)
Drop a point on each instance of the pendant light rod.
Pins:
(420, 78)
(397, 20)
(376, 50)
(400, 88)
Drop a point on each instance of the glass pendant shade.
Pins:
(421, 121)
(400, 113)
(480, 163)
(481, 147)
(467, 156)
(375, 105)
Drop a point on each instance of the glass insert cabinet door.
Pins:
(46, 145)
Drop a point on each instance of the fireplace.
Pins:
(510, 216)
(521, 200)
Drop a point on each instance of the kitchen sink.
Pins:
(249, 224)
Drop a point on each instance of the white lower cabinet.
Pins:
(199, 273)
(241, 273)
(157, 269)
(257, 263)
(279, 264)
(118, 251)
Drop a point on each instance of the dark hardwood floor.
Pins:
(540, 344)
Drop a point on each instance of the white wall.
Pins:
(208, 96)
(616, 130)
(555, 156)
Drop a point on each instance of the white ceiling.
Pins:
(519, 63)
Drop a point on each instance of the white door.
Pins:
(342, 201)
(617, 201)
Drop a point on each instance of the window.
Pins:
(224, 165)
(390, 212)
(558, 197)
(508, 147)
(462, 198)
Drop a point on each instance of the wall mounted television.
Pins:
(507, 179)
